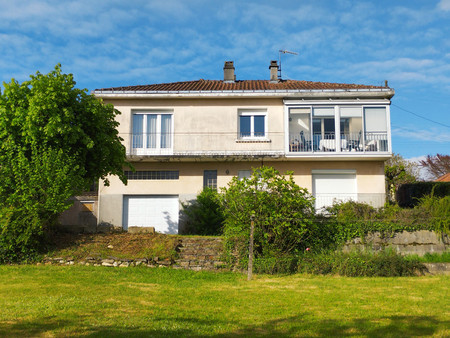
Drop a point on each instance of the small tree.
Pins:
(282, 215)
(436, 165)
(55, 140)
(398, 171)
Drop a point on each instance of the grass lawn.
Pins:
(133, 302)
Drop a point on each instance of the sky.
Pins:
(123, 43)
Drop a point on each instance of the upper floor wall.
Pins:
(273, 127)
(195, 127)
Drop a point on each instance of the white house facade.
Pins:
(184, 136)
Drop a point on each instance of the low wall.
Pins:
(406, 243)
(81, 217)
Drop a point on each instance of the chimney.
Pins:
(273, 71)
(228, 72)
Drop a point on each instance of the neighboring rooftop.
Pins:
(444, 178)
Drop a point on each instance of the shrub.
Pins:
(22, 234)
(438, 210)
(385, 263)
(432, 257)
(347, 220)
(203, 216)
(283, 216)
(408, 195)
(276, 265)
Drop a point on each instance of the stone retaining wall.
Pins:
(110, 262)
(438, 268)
(200, 253)
(407, 243)
(197, 253)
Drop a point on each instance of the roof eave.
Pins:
(312, 93)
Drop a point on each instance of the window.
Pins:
(252, 124)
(244, 174)
(152, 131)
(375, 125)
(210, 179)
(152, 175)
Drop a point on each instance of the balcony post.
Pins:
(337, 129)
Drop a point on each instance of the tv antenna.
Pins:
(283, 51)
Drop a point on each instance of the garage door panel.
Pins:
(160, 212)
(329, 188)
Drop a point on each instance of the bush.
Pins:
(348, 220)
(276, 265)
(283, 216)
(22, 235)
(204, 215)
(408, 195)
(432, 257)
(358, 264)
(438, 210)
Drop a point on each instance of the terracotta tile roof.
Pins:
(244, 85)
(444, 178)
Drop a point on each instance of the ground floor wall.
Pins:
(368, 181)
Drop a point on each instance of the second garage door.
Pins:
(328, 188)
(160, 212)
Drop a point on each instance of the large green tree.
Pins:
(55, 141)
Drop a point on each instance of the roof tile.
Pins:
(247, 85)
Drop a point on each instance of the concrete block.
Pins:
(141, 230)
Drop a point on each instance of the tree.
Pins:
(437, 165)
(282, 215)
(398, 171)
(55, 141)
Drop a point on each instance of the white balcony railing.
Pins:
(371, 142)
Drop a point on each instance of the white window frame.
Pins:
(252, 113)
(157, 149)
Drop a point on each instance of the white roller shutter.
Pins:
(160, 212)
(328, 188)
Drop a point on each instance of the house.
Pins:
(184, 136)
(443, 178)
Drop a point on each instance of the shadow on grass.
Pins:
(394, 326)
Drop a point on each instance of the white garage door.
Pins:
(160, 212)
(328, 188)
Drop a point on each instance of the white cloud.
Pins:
(444, 5)
(429, 135)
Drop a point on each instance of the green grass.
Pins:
(432, 257)
(134, 302)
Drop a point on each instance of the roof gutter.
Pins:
(302, 93)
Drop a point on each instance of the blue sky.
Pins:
(115, 43)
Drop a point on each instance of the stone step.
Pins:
(200, 253)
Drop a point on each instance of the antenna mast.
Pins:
(283, 51)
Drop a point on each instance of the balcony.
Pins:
(204, 144)
(326, 142)
(339, 129)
